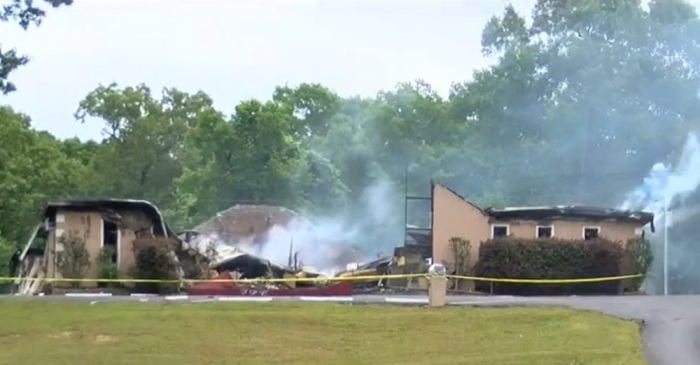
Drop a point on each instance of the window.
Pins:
(590, 233)
(110, 238)
(499, 230)
(545, 231)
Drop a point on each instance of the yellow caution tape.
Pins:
(260, 280)
(546, 281)
(328, 279)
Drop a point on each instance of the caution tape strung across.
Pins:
(261, 280)
(328, 279)
(546, 281)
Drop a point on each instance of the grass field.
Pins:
(54, 333)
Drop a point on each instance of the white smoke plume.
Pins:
(326, 243)
(666, 184)
(659, 192)
(329, 243)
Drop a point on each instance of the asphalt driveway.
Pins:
(671, 335)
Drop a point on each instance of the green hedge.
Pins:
(550, 259)
(154, 261)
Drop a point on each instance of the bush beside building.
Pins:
(515, 258)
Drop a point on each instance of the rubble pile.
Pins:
(277, 234)
(253, 241)
(247, 224)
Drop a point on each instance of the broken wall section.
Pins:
(105, 229)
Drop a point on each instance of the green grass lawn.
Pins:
(54, 333)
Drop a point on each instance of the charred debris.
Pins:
(230, 245)
(239, 265)
(231, 239)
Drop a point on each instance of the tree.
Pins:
(144, 138)
(25, 13)
(589, 88)
(583, 98)
(251, 157)
(33, 169)
(312, 105)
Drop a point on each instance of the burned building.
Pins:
(99, 224)
(454, 216)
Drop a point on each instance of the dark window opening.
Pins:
(499, 231)
(544, 232)
(590, 233)
(51, 222)
(110, 238)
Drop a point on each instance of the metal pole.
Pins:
(666, 244)
(405, 206)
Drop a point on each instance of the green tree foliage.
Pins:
(5, 252)
(33, 169)
(25, 13)
(583, 98)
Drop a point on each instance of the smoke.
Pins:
(666, 184)
(663, 191)
(324, 243)
(328, 243)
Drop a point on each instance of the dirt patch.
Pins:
(64, 334)
(104, 339)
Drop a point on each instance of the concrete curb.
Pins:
(203, 299)
(245, 299)
(406, 300)
(88, 295)
(326, 299)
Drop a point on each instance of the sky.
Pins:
(239, 49)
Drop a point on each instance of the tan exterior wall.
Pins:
(571, 230)
(88, 226)
(455, 217)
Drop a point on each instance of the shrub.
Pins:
(461, 256)
(6, 251)
(515, 258)
(74, 261)
(154, 260)
(106, 268)
(638, 258)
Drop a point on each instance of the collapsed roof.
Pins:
(251, 227)
(242, 220)
(113, 205)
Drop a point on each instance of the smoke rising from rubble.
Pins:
(329, 243)
(667, 186)
(325, 243)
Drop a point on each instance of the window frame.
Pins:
(537, 230)
(507, 226)
(583, 231)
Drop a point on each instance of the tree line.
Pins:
(583, 98)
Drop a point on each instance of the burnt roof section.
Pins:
(111, 204)
(561, 212)
(570, 212)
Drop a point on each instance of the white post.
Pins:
(666, 244)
